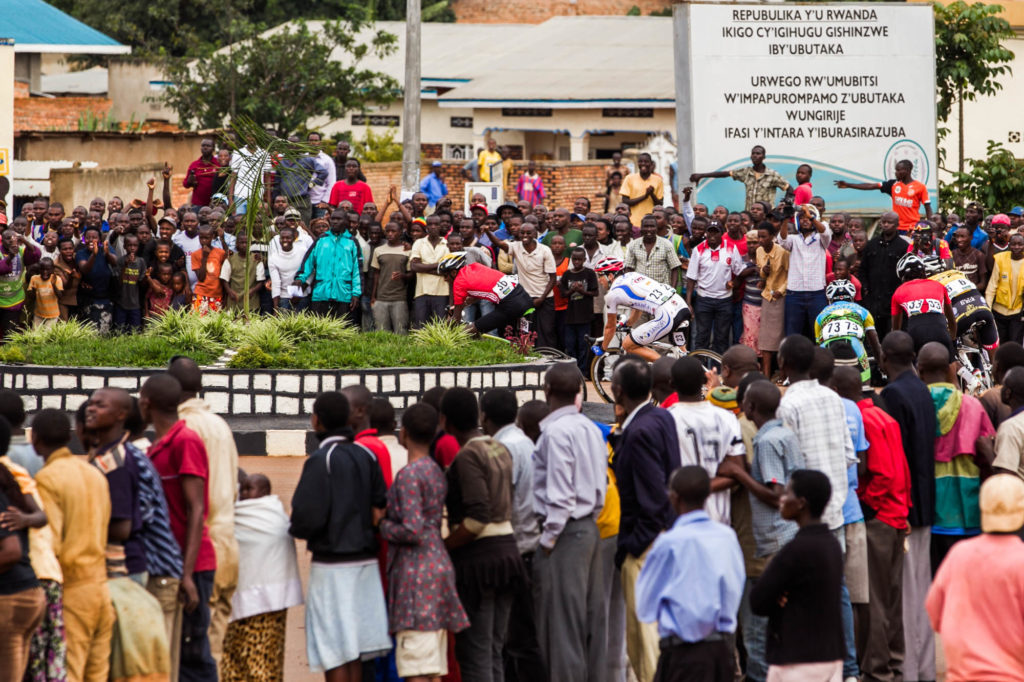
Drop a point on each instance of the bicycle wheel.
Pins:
(709, 359)
(601, 373)
(551, 353)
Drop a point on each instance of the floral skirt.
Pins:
(47, 656)
(751, 325)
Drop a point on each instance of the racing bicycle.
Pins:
(974, 375)
(601, 367)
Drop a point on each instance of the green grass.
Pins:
(115, 351)
(291, 342)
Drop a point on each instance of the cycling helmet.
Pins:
(933, 265)
(910, 267)
(609, 264)
(452, 262)
(840, 290)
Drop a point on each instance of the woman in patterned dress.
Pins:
(423, 604)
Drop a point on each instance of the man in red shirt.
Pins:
(884, 493)
(907, 194)
(202, 174)
(351, 189)
(179, 456)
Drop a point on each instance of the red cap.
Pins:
(1000, 219)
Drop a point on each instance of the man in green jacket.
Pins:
(333, 269)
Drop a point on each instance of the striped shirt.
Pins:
(163, 557)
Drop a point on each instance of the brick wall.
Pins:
(61, 113)
(21, 90)
(431, 151)
(532, 12)
(563, 180)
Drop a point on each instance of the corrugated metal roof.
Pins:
(40, 27)
(566, 61)
(584, 59)
(89, 82)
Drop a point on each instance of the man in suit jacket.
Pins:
(646, 453)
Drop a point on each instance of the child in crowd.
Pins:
(207, 262)
(182, 296)
(860, 240)
(841, 270)
(131, 269)
(47, 289)
(161, 290)
(579, 287)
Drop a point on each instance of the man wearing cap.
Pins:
(202, 174)
(1016, 218)
(977, 596)
(433, 186)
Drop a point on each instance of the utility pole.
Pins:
(411, 113)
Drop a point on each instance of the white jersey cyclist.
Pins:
(642, 294)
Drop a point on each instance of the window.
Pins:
(462, 121)
(524, 111)
(627, 113)
(462, 152)
(374, 120)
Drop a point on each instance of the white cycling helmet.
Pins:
(840, 290)
(910, 267)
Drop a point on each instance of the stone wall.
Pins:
(271, 392)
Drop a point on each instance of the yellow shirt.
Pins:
(634, 186)
(77, 502)
(40, 540)
(488, 161)
(1006, 285)
(778, 274)
(427, 284)
(611, 513)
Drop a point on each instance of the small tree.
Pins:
(969, 58)
(374, 148)
(997, 181)
(282, 79)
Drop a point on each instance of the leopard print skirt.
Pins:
(254, 649)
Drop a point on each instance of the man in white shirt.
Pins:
(319, 194)
(535, 265)
(805, 289)
(713, 267)
(249, 169)
(708, 435)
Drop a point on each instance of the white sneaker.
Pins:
(851, 678)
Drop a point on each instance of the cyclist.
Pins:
(641, 294)
(844, 326)
(969, 308)
(479, 281)
(922, 305)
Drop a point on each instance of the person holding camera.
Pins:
(805, 289)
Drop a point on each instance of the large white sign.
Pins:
(848, 88)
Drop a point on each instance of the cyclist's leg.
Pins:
(637, 340)
(506, 312)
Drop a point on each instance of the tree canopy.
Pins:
(282, 79)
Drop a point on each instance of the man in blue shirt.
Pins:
(433, 186)
(691, 585)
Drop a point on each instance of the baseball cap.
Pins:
(1017, 210)
(436, 164)
(480, 207)
(1000, 219)
(292, 213)
(578, 216)
(167, 220)
(714, 225)
(219, 197)
(1002, 504)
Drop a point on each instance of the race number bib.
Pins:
(660, 294)
(504, 286)
(958, 286)
(679, 339)
(917, 307)
(840, 328)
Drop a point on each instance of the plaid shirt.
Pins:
(658, 264)
(759, 186)
(776, 455)
(817, 417)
